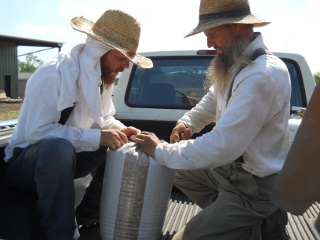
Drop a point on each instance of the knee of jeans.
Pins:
(59, 153)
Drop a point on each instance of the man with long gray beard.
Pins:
(230, 171)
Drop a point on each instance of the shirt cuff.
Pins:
(184, 123)
(91, 140)
(162, 152)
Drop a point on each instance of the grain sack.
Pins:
(135, 195)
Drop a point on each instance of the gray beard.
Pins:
(218, 71)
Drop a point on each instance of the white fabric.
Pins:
(254, 125)
(87, 76)
(58, 83)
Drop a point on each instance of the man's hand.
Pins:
(130, 131)
(112, 138)
(148, 142)
(180, 132)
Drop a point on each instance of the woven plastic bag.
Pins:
(135, 195)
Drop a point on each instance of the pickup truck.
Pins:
(154, 99)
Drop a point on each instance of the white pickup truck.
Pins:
(153, 100)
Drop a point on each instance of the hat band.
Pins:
(230, 13)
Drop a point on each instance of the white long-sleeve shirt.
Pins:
(254, 123)
(46, 89)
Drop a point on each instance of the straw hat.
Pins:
(213, 13)
(118, 30)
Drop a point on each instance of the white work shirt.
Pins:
(254, 123)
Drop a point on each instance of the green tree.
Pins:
(317, 77)
(30, 65)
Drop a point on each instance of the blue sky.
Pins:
(294, 27)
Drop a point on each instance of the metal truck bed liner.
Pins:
(181, 210)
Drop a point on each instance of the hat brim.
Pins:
(84, 25)
(207, 24)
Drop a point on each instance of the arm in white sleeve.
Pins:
(39, 115)
(43, 124)
(247, 112)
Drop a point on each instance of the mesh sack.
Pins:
(135, 195)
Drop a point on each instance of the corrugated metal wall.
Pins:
(9, 67)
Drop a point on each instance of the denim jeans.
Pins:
(49, 168)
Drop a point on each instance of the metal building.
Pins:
(9, 60)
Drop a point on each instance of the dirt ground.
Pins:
(9, 107)
(9, 110)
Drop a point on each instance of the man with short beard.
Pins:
(231, 170)
(48, 148)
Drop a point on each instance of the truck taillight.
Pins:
(207, 52)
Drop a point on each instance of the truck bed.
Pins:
(181, 210)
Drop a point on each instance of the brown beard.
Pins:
(106, 77)
(217, 73)
(108, 80)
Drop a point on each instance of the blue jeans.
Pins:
(49, 168)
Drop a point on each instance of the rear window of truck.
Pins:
(172, 83)
(176, 83)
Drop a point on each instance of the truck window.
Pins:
(298, 97)
(172, 83)
(175, 83)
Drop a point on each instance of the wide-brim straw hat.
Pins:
(213, 13)
(118, 30)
